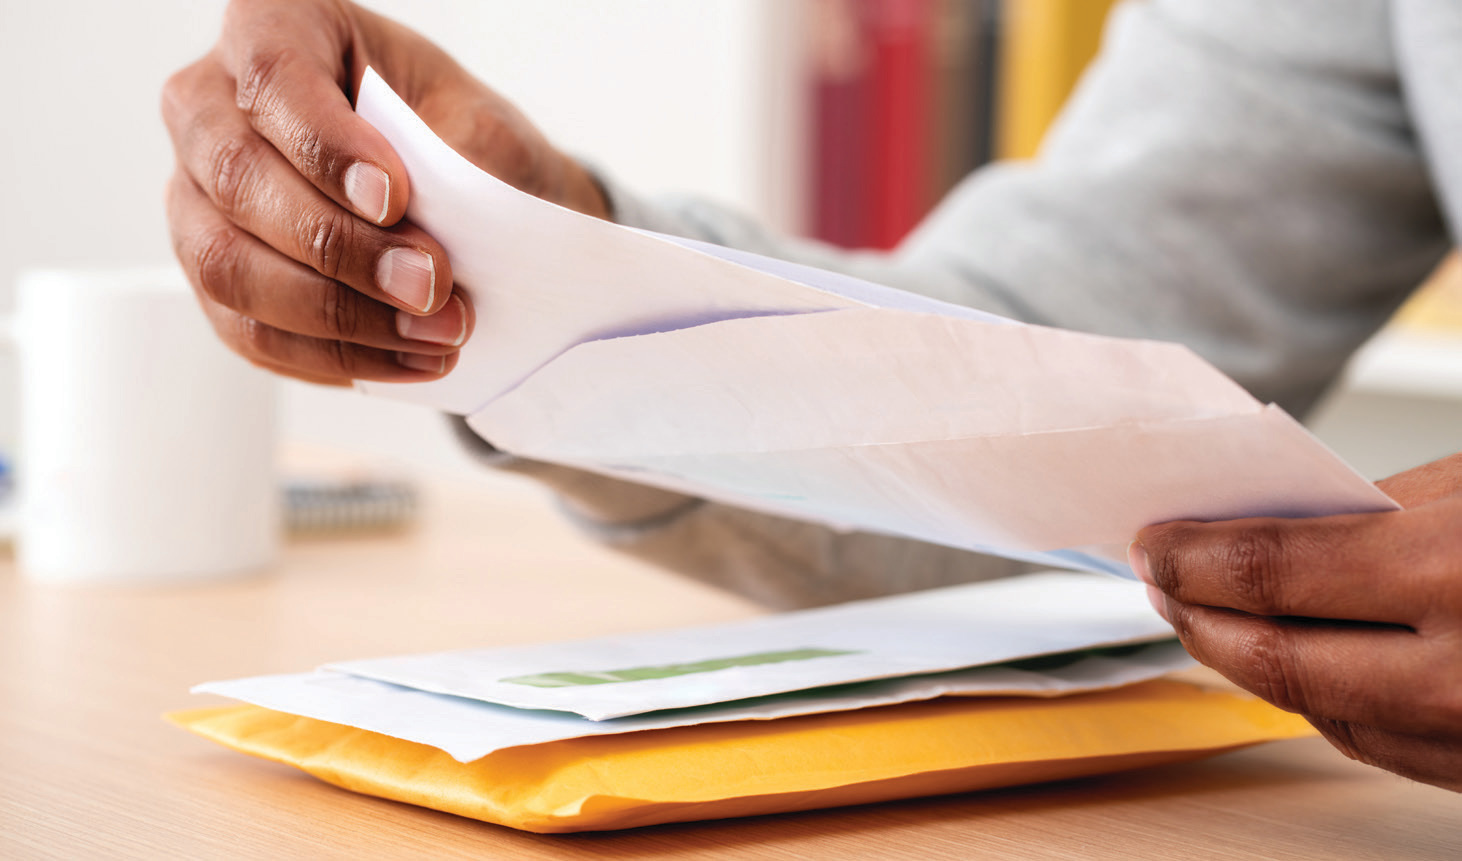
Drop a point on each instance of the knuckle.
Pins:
(312, 153)
(328, 239)
(180, 95)
(254, 339)
(340, 314)
(1181, 618)
(231, 168)
(343, 360)
(260, 94)
(174, 95)
(1276, 676)
(1254, 561)
(258, 78)
(215, 261)
(1162, 544)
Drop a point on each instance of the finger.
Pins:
(319, 358)
(1426, 483)
(1363, 567)
(1429, 759)
(251, 184)
(1380, 676)
(288, 62)
(232, 268)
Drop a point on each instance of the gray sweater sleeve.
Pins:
(1240, 177)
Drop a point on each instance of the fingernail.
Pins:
(447, 326)
(368, 189)
(418, 362)
(408, 276)
(1137, 558)
(1159, 602)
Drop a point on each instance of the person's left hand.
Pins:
(1353, 621)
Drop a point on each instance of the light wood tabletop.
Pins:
(88, 768)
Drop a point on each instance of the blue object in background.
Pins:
(7, 501)
(314, 507)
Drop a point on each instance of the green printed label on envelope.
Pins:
(666, 671)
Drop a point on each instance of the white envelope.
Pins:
(470, 729)
(785, 389)
(1042, 444)
(919, 633)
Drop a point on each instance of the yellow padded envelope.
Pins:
(714, 771)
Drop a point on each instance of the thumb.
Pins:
(288, 62)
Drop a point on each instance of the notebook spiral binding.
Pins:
(319, 507)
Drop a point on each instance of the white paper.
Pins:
(784, 389)
(918, 633)
(470, 729)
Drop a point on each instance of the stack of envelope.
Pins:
(1030, 678)
(955, 641)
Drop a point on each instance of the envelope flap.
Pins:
(848, 377)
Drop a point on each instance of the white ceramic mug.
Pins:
(146, 447)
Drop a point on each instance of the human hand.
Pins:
(285, 209)
(1353, 621)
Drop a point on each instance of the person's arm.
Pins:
(1239, 177)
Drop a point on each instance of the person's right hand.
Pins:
(286, 207)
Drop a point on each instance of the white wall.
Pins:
(666, 94)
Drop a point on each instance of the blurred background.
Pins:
(772, 106)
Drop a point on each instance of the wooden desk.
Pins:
(88, 768)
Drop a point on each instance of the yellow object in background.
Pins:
(1437, 306)
(716, 771)
(1045, 47)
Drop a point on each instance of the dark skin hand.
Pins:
(1353, 621)
(286, 208)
